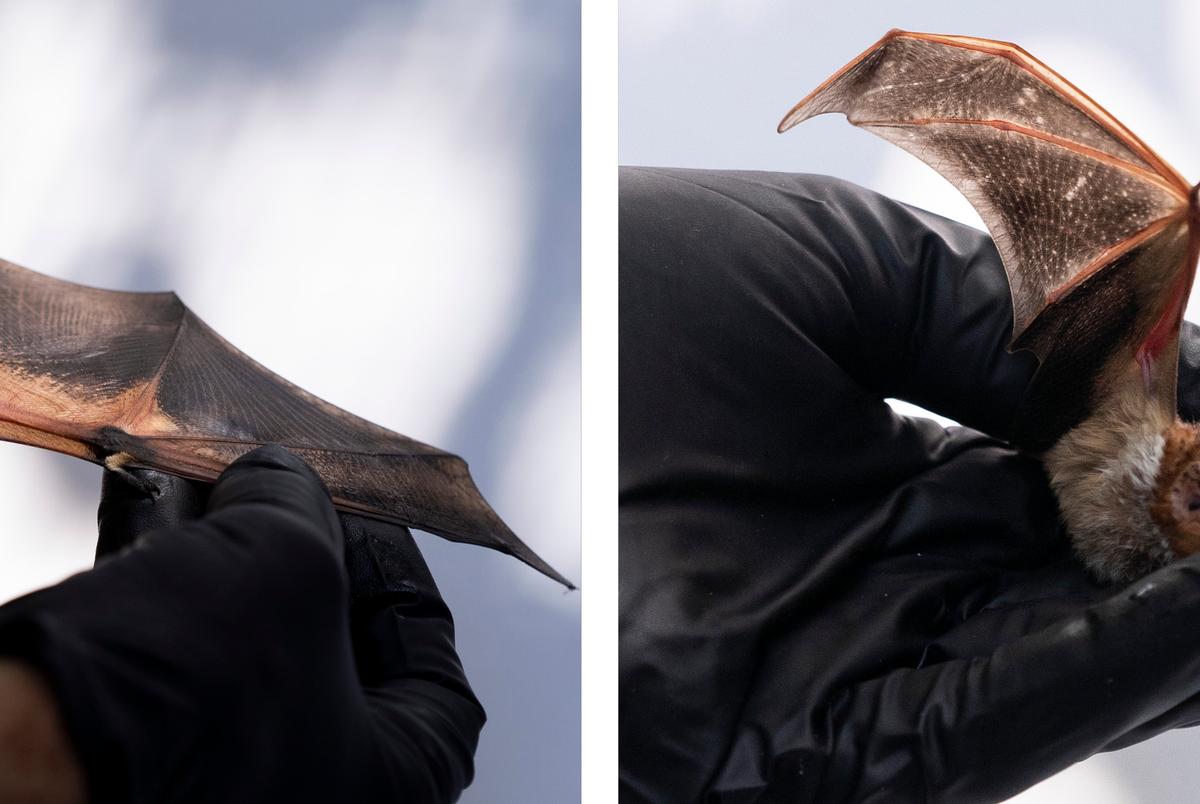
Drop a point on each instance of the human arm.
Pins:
(37, 762)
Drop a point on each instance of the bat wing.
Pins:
(1095, 230)
(96, 374)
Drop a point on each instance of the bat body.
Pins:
(1099, 238)
(136, 379)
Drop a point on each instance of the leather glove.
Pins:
(219, 652)
(821, 600)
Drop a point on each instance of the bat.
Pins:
(1099, 238)
(137, 380)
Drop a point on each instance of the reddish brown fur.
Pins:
(1177, 485)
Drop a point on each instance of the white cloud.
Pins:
(378, 207)
(43, 538)
(69, 95)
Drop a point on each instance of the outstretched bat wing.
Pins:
(1092, 226)
(138, 378)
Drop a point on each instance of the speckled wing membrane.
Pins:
(1068, 193)
(139, 379)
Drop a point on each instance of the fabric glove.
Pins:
(214, 653)
(822, 600)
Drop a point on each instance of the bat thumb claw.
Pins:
(116, 464)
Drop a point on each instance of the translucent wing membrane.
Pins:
(1051, 210)
(1101, 319)
(1057, 180)
(1065, 189)
(95, 373)
(910, 77)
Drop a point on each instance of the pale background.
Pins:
(378, 200)
(703, 84)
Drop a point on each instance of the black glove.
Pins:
(822, 600)
(211, 659)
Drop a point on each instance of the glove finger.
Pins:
(402, 635)
(985, 728)
(270, 490)
(134, 502)
(399, 625)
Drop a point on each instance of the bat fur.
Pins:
(1105, 473)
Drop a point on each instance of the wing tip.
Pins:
(509, 542)
(798, 113)
(790, 119)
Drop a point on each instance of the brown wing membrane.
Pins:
(1103, 317)
(97, 373)
(1067, 192)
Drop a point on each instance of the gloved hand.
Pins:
(821, 600)
(217, 652)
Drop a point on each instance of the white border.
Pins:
(599, 447)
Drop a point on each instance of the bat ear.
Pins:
(134, 502)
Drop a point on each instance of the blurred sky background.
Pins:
(378, 200)
(703, 84)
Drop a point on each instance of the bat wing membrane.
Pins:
(1066, 191)
(94, 373)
